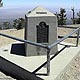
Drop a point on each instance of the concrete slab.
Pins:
(58, 64)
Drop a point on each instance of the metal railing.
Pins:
(49, 47)
(64, 26)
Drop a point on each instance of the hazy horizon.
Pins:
(13, 13)
(13, 9)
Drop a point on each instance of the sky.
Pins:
(44, 3)
(16, 8)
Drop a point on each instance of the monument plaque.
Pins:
(42, 32)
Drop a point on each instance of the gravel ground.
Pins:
(12, 32)
(72, 71)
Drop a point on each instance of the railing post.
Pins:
(48, 62)
(77, 38)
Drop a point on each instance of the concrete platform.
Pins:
(31, 63)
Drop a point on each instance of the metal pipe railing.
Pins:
(65, 37)
(64, 26)
(54, 44)
(77, 41)
(25, 41)
(44, 46)
(35, 44)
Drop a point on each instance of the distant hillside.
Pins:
(6, 20)
(14, 13)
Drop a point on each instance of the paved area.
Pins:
(58, 64)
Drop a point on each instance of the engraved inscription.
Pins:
(41, 12)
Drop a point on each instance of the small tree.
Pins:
(73, 18)
(78, 19)
(21, 22)
(6, 25)
(0, 27)
(62, 17)
(57, 15)
(1, 3)
(18, 23)
(15, 23)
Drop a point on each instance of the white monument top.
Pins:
(39, 11)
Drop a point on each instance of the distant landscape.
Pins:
(14, 13)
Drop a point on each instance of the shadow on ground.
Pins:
(18, 49)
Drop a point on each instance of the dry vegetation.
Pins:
(12, 32)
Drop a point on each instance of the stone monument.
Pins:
(40, 27)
